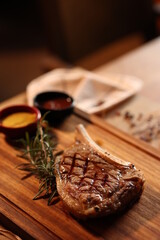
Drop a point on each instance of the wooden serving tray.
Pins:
(35, 220)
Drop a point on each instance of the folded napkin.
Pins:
(92, 93)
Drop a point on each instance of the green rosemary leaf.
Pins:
(44, 117)
(27, 139)
(40, 192)
(51, 197)
(41, 152)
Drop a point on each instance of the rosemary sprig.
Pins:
(40, 153)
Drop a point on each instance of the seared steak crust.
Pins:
(89, 185)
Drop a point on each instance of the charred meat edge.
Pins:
(72, 206)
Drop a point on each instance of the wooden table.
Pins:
(35, 220)
(143, 63)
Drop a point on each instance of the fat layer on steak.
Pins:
(92, 182)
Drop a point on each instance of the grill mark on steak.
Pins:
(91, 185)
(85, 166)
(72, 165)
(94, 176)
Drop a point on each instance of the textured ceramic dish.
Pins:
(17, 132)
(56, 112)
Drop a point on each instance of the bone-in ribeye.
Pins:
(91, 182)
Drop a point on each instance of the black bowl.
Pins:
(58, 105)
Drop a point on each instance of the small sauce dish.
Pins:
(58, 105)
(16, 120)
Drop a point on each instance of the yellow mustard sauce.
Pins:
(19, 119)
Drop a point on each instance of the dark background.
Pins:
(36, 36)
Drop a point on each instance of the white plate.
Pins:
(92, 93)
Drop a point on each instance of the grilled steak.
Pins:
(91, 182)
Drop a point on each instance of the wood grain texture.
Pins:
(142, 221)
(23, 223)
(37, 219)
(143, 63)
(144, 146)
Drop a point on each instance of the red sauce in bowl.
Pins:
(57, 103)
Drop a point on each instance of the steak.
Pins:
(92, 182)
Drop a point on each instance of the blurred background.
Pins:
(39, 35)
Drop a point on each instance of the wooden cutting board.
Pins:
(35, 220)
